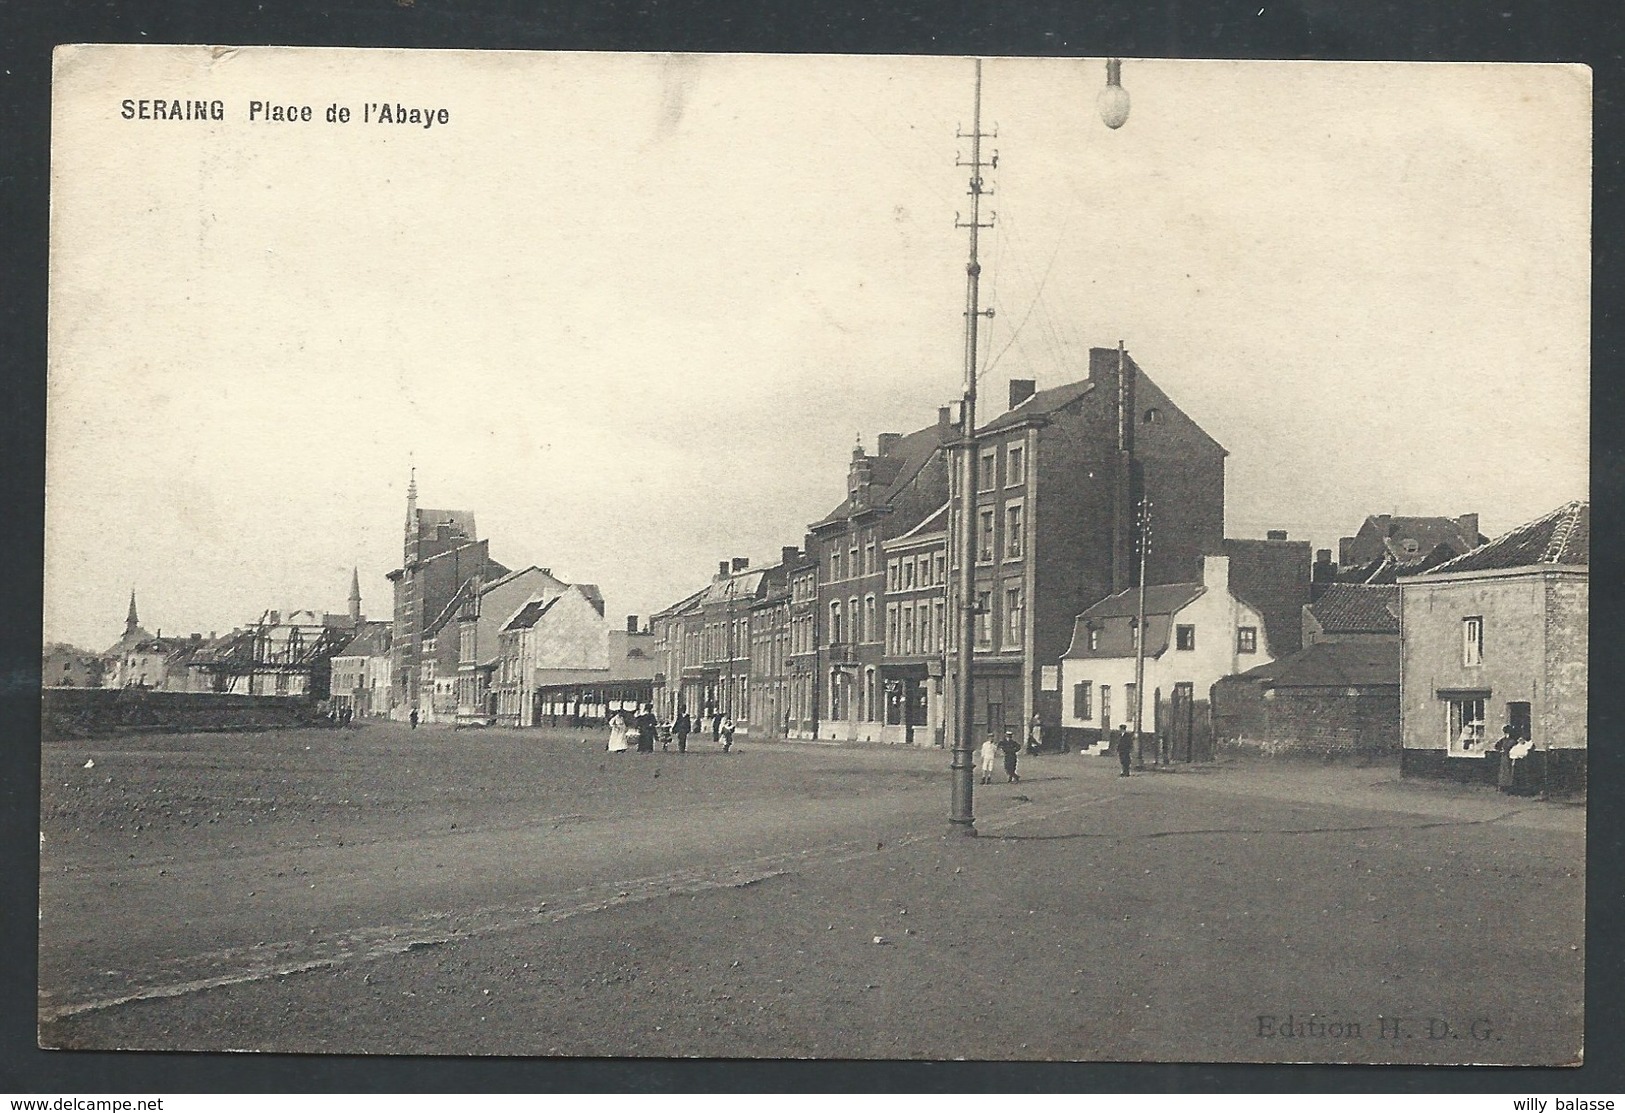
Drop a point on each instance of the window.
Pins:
(1472, 641)
(1082, 702)
(1105, 707)
(939, 623)
(984, 548)
(854, 619)
(984, 617)
(1094, 639)
(1465, 726)
(1015, 466)
(894, 574)
(987, 472)
(891, 629)
(908, 628)
(835, 630)
(871, 632)
(925, 571)
(942, 568)
(908, 575)
(1013, 616)
(869, 565)
(1012, 530)
(1246, 639)
(1186, 636)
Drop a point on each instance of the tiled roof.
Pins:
(1427, 532)
(1043, 402)
(1332, 665)
(1358, 609)
(531, 613)
(896, 469)
(1561, 537)
(1159, 599)
(372, 640)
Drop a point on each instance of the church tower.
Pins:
(355, 598)
(411, 546)
(131, 623)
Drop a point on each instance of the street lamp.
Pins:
(1113, 106)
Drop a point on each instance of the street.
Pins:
(524, 893)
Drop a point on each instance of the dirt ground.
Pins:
(524, 893)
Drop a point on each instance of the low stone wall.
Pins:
(93, 712)
(1326, 723)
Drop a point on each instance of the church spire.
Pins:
(130, 620)
(411, 516)
(355, 597)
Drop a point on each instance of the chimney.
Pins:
(722, 569)
(788, 555)
(631, 624)
(885, 442)
(1216, 572)
(945, 420)
(741, 563)
(1275, 535)
(1021, 390)
(1469, 527)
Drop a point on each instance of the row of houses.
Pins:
(851, 635)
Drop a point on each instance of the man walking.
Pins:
(681, 728)
(1010, 751)
(990, 755)
(1125, 749)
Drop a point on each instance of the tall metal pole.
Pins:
(962, 818)
(1144, 535)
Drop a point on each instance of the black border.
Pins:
(1420, 30)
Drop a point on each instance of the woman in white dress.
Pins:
(617, 734)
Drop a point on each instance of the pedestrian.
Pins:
(716, 725)
(647, 725)
(1010, 751)
(414, 718)
(727, 733)
(990, 757)
(1125, 749)
(1035, 735)
(681, 728)
(1503, 750)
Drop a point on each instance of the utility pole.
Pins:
(962, 818)
(1139, 638)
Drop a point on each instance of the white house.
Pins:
(1195, 633)
(564, 630)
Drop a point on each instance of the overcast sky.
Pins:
(633, 311)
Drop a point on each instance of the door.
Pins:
(1180, 722)
(1519, 719)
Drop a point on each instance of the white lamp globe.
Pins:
(1113, 99)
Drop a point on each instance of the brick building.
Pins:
(801, 658)
(440, 554)
(1499, 636)
(1059, 477)
(1331, 699)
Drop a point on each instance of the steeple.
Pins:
(130, 620)
(411, 517)
(355, 597)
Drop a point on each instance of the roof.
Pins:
(1562, 537)
(928, 529)
(531, 613)
(372, 640)
(1358, 609)
(1332, 665)
(1039, 403)
(895, 470)
(1159, 599)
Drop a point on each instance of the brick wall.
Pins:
(1316, 722)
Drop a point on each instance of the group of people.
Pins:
(643, 729)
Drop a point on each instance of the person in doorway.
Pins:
(727, 730)
(990, 757)
(681, 728)
(1503, 751)
(1125, 749)
(1011, 749)
(1035, 735)
(414, 718)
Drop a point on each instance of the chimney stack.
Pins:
(1216, 572)
(885, 442)
(1469, 526)
(631, 624)
(1275, 535)
(945, 420)
(722, 569)
(741, 563)
(1021, 390)
(788, 555)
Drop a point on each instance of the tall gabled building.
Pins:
(439, 555)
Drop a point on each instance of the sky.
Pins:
(634, 311)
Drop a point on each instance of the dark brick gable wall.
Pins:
(1274, 577)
